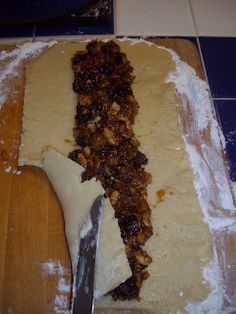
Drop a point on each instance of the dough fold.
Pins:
(76, 198)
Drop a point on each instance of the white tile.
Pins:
(153, 17)
(214, 17)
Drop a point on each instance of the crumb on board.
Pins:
(9, 169)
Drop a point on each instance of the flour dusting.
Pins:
(7, 169)
(56, 269)
(207, 165)
(53, 268)
(61, 304)
(214, 301)
(10, 62)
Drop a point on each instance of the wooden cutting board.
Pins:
(31, 224)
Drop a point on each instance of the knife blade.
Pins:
(84, 281)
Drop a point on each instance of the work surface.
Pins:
(34, 265)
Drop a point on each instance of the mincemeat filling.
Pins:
(108, 149)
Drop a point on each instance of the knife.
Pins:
(84, 280)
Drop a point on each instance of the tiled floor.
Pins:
(209, 23)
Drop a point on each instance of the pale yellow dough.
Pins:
(181, 244)
(49, 105)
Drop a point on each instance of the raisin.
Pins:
(118, 58)
(127, 290)
(123, 91)
(88, 174)
(140, 159)
(73, 155)
(78, 58)
(80, 140)
(106, 69)
(94, 47)
(110, 48)
(115, 81)
(130, 225)
(83, 114)
(83, 118)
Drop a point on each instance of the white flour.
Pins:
(209, 165)
(61, 301)
(11, 61)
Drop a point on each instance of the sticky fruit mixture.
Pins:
(108, 149)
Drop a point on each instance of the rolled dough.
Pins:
(181, 244)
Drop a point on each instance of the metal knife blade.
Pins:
(84, 281)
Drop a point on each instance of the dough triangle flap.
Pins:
(76, 198)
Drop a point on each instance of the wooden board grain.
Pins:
(31, 222)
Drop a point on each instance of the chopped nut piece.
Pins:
(81, 159)
(114, 197)
(87, 151)
(97, 119)
(143, 258)
(109, 135)
(146, 219)
(124, 119)
(114, 108)
(91, 126)
(141, 239)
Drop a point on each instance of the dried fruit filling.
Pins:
(108, 149)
